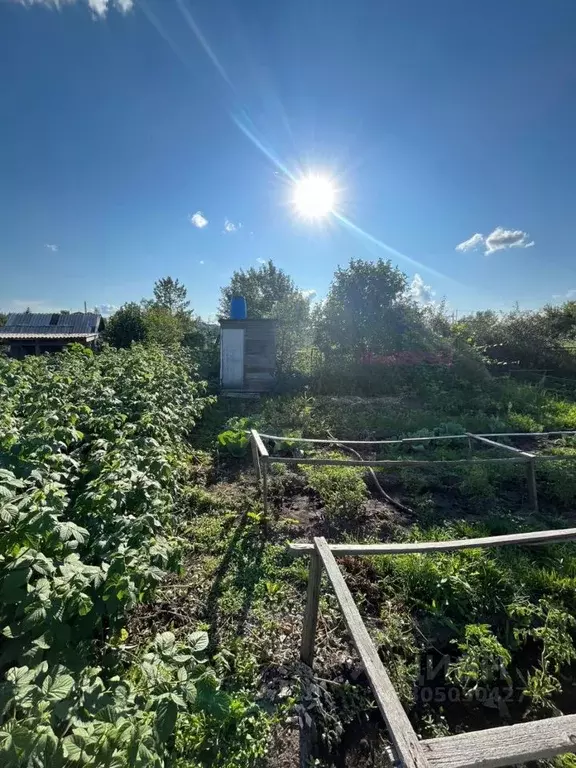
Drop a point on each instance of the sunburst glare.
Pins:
(314, 196)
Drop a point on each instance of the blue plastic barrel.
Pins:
(238, 308)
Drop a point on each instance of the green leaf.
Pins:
(34, 618)
(198, 641)
(166, 714)
(165, 642)
(56, 689)
(20, 676)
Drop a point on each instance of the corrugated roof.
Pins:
(4, 337)
(31, 325)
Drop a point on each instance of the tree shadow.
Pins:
(244, 555)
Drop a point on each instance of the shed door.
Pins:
(232, 358)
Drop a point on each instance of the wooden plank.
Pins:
(361, 442)
(259, 443)
(524, 539)
(403, 736)
(264, 467)
(255, 453)
(532, 489)
(494, 444)
(507, 745)
(311, 612)
(399, 462)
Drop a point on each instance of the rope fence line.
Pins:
(490, 748)
(289, 439)
(262, 459)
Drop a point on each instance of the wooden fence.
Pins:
(262, 458)
(506, 745)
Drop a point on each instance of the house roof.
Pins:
(30, 325)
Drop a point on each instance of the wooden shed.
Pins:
(30, 333)
(247, 355)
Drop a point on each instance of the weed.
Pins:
(342, 489)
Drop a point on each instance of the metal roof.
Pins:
(17, 336)
(29, 325)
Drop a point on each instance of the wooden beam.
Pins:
(507, 745)
(311, 612)
(399, 462)
(264, 466)
(532, 489)
(255, 452)
(494, 444)
(395, 441)
(259, 443)
(408, 748)
(523, 539)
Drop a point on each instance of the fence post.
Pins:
(255, 454)
(532, 490)
(264, 469)
(311, 612)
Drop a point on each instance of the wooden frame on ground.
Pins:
(506, 745)
(262, 458)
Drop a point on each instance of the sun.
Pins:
(314, 196)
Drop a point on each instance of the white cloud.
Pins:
(498, 240)
(473, 242)
(261, 261)
(106, 309)
(309, 293)
(201, 261)
(98, 7)
(198, 220)
(419, 291)
(502, 238)
(51, 247)
(229, 226)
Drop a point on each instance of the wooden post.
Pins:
(311, 612)
(409, 750)
(532, 490)
(255, 453)
(264, 468)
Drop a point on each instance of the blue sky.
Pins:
(438, 121)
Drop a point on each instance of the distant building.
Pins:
(29, 333)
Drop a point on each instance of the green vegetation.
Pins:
(150, 612)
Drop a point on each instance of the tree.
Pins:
(263, 288)
(171, 295)
(368, 310)
(3, 318)
(163, 327)
(126, 325)
(271, 293)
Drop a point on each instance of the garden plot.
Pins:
(330, 487)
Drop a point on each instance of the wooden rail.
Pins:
(532, 538)
(262, 458)
(491, 748)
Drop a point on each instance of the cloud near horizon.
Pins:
(98, 7)
(309, 293)
(198, 220)
(499, 240)
(419, 291)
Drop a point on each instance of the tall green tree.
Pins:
(3, 318)
(126, 326)
(263, 288)
(271, 293)
(171, 295)
(368, 310)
